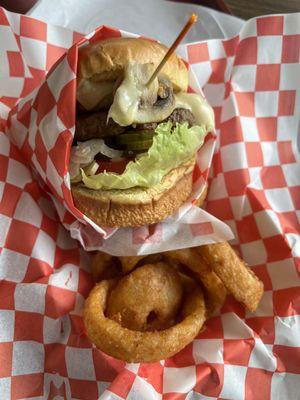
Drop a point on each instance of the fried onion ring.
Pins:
(137, 346)
(148, 299)
(129, 263)
(214, 288)
(105, 266)
(238, 278)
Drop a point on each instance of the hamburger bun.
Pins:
(106, 60)
(137, 206)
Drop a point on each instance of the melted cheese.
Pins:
(126, 101)
(125, 109)
(202, 111)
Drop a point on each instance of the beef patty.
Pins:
(95, 125)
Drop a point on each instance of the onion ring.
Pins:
(136, 346)
(129, 263)
(237, 277)
(105, 266)
(215, 290)
(135, 304)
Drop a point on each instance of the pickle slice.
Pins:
(134, 136)
(132, 146)
(140, 145)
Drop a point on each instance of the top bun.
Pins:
(106, 59)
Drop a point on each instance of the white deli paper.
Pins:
(239, 355)
(189, 226)
(152, 18)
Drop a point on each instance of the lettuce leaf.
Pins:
(171, 147)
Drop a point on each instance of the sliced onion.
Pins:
(91, 169)
(84, 153)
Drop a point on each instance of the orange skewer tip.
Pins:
(193, 18)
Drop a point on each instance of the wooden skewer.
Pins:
(186, 28)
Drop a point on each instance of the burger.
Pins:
(135, 143)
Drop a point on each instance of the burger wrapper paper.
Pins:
(252, 81)
(44, 122)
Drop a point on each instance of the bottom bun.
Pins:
(136, 206)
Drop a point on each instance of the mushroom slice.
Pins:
(159, 110)
(134, 102)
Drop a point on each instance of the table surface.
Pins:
(247, 9)
(241, 8)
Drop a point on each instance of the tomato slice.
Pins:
(113, 166)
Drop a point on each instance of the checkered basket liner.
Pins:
(252, 81)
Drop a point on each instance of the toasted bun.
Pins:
(106, 59)
(136, 206)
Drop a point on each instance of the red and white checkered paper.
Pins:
(44, 123)
(252, 81)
